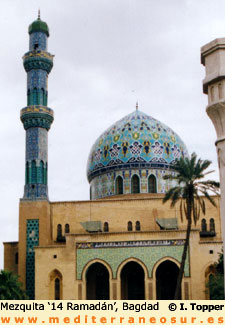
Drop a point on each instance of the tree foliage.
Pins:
(215, 285)
(191, 191)
(10, 287)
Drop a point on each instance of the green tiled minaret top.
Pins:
(38, 26)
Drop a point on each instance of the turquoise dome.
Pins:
(135, 141)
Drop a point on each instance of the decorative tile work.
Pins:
(37, 79)
(37, 117)
(40, 39)
(36, 144)
(115, 256)
(137, 140)
(32, 240)
(104, 185)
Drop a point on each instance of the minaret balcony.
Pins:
(37, 116)
(38, 59)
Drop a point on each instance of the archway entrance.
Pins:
(132, 282)
(97, 282)
(166, 280)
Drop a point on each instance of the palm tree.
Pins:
(10, 287)
(190, 191)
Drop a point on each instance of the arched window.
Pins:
(204, 225)
(59, 231)
(46, 174)
(57, 289)
(35, 96)
(137, 226)
(67, 228)
(152, 184)
(212, 225)
(129, 226)
(135, 184)
(28, 97)
(33, 172)
(106, 227)
(119, 185)
(41, 179)
(27, 172)
(42, 102)
(16, 258)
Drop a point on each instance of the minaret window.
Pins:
(36, 46)
(135, 184)
(129, 226)
(35, 96)
(41, 172)
(152, 184)
(67, 228)
(28, 97)
(42, 102)
(33, 172)
(27, 172)
(119, 185)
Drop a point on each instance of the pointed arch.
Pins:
(33, 172)
(138, 226)
(135, 184)
(204, 225)
(56, 285)
(67, 228)
(35, 96)
(129, 226)
(41, 178)
(119, 185)
(59, 231)
(152, 185)
(27, 176)
(212, 225)
(106, 227)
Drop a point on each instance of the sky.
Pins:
(108, 55)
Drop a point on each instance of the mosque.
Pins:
(123, 243)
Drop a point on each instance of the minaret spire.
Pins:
(136, 105)
(39, 14)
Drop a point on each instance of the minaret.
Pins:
(37, 117)
(213, 58)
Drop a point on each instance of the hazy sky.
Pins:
(108, 55)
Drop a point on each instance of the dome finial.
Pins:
(136, 105)
(39, 14)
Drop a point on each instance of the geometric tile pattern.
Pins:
(32, 240)
(115, 256)
(137, 140)
(40, 39)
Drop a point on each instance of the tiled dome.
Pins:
(135, 141)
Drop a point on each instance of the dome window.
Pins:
(119, 185)
(135, 184)
(152, 184)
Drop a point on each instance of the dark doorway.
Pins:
(97, 282)
(166, 280)
(132, 282)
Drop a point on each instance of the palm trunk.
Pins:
(184, 255)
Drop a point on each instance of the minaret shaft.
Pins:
(36, 116)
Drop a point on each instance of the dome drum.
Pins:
(106, 184)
